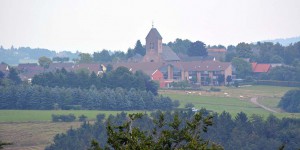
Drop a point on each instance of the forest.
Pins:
(37, 97)
(120, 77)
(239, 132)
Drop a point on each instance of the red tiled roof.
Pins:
(205, 66)
(260, 68)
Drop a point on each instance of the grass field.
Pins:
(235, 100)
(45, 115)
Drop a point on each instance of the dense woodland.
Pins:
(47, 98)
(240, 132)
(118, 89)
(120, 77)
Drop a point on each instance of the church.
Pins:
(163, 65)
(156, 51)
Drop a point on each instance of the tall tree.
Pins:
(243, 50)
(242, 67)
(180, 46)
(45, 62)
(13, 76)
(197, 49)
(85, 58)
(102, 56)
(139, 49)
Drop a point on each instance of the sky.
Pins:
(93, 25)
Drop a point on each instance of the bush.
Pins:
(82, 118)
(214, 89)
(63, 118)
(189, 105)
(290, 101)
(176, 103)
(100, 117)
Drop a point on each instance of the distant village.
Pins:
(160, 62)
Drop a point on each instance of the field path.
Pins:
(254, 101)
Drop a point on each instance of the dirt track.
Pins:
(254, 101)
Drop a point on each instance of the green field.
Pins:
(235, 100)
(219, 104)
(45, 115)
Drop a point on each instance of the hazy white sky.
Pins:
(93, 25)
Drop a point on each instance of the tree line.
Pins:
(37, 97)
(120, 77)
(239, 132)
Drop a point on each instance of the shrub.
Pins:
(63, 118)
(100, 117)
(214, 89)
(82, 118)
(189, 105)
(290, 101)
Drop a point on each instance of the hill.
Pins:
(284, 41)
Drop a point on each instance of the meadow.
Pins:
(45, 115)
(235, 100)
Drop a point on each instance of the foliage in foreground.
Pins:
(165, 135)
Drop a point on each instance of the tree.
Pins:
(228, 79)
(103, 56)
(229, 56)
(166, 135)
(2, 75)
(221, 79)
(85, 58)
(243, 68)
(290, 101)
(13, 76)
(45, 62)
(139, 49)
(197, 49)
(243, 50)
(60, 59)
(180, 46)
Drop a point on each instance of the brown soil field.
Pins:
(32, 135)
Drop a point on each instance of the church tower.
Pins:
(153, 46)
